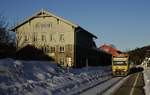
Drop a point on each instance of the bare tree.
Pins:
(4, 34)
(7, 47)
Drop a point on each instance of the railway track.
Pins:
(103, 87)
(88, 89)
(130, 85)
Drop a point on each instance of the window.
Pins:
(48, 49)
(62, 49)
(34, 37)
(52, 37)
(119, 62)
(25, 38)
(61, 37)
(43, 38)
(44, 48)
(52, 49)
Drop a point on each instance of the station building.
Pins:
(67, 43)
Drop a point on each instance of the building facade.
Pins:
(67, 43)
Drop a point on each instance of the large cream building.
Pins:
(67, 43)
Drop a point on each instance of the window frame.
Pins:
(62, 37)
(43, 38)
(61, 49)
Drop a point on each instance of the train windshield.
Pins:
(120, 62)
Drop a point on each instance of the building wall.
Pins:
(84, 39)
(85, 53)
(52, 35)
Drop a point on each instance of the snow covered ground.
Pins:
(46, 78)
(147, 80)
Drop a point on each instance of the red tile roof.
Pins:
(110, 49)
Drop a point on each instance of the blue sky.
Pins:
(124, 23)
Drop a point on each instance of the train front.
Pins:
(120, 66)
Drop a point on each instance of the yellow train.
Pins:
(120, 64)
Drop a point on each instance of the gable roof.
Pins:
(80, 29)
(45, 13)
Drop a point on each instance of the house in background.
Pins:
(110, 49)
(67, 43)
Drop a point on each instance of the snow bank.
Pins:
(46, 78)
(147, 80)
